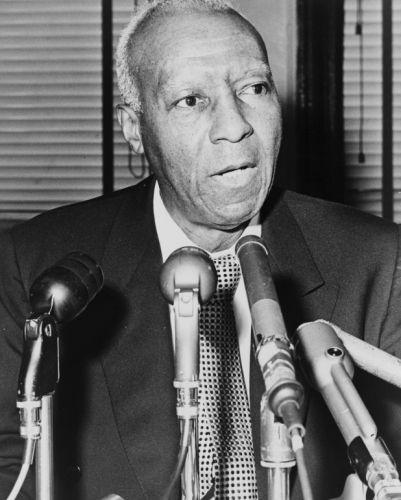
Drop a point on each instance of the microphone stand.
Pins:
(276, 453)
(44, 452)
(186, 307)
(38, 378)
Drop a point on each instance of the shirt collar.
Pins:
(171, 236)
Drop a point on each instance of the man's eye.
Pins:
(190, 101)
(256, 89)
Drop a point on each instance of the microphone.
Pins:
(59, 294)
(66, 288)
(330, 369)
(274, 350)
(188, 279)
(188, 268)
(371, 359)
(328, 366)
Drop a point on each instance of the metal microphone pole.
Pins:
(186, 308)
(188, 279)
(44, 452)
(39, 375)
(276, 453)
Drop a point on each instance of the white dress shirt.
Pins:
(171, 237)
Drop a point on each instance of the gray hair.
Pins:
(126, 70)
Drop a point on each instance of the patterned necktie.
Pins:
(225, 437)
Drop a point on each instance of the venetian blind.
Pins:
(50, 105)
(363, 111)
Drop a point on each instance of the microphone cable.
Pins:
(186, 434)
(29, 451)
(298, 449)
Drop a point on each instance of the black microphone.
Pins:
(58, 295)
(188, 279)
(66, 288)
(274, 350)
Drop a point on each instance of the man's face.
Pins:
(211, 122)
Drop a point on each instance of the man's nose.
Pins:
(229, 121)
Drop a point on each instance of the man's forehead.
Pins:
(178, 72)
(213, 46)
(208, 38)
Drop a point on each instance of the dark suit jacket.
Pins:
(115, 423)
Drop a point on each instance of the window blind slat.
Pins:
(50, 104)
(364, 180)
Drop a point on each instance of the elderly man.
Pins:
(200, 102)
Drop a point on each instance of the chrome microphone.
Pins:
(371, 359)
(274, 351)
(330, 370)
(187, 280)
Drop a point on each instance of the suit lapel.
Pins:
(290, 257)
(139, 364)
(303, 293)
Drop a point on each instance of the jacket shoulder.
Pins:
(345, 243)
(75, 218)
(84, 226)
(326, 218)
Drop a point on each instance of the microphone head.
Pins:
(253, 240)
(66, 288)
(253, 257)
(319, 349)
(188, 268)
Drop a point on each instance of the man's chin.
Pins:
(234, 224)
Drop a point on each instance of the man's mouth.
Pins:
(234, 170)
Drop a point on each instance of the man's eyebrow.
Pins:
(259, 68)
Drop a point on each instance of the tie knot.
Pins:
(228, 274)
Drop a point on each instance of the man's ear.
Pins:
(130, 126)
